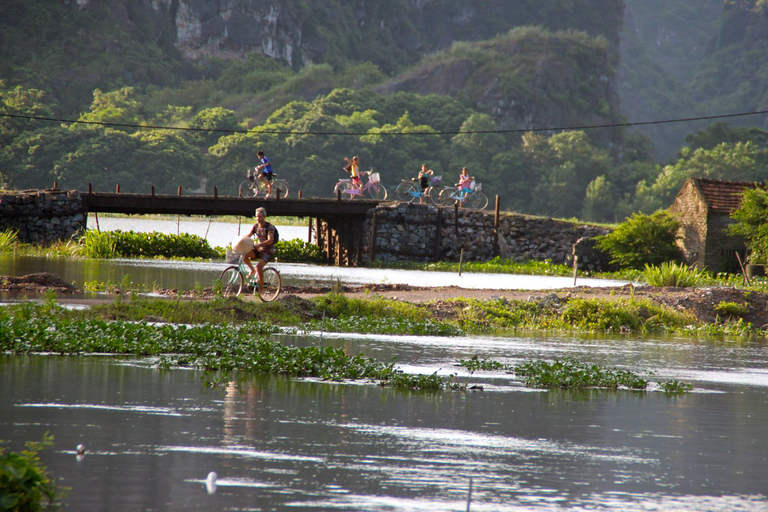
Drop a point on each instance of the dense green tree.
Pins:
(114, 107)
(643, 239)
(29, 161)
(599, 203)
(134, 161)
(216, 118)
(720, 132)
(727, 161)
(479, 143)
(752, 223)
(19, 101)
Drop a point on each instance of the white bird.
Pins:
(210, 482)
(80, 450)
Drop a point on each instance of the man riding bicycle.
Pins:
(264, 172)
(264, 248)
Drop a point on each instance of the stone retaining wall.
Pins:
(42, 216)
(410, 232)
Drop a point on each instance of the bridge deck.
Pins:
(222, 205)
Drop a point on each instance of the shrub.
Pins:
(752, 224)
(672, 274)
(298, 251)
(149, 245)
(24, 481)
(643, 240)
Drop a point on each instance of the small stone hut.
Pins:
(704, 206)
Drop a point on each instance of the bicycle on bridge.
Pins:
(372, 187)
(234, 281)
(408, 190)
(252, 187)
(474, 197)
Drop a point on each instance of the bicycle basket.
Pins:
(374, 177)
(436, 180)
(479, 187)
(233, 257)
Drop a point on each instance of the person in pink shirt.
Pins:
(465, 181)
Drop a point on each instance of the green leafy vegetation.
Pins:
(217, 348)
(9, 240)
(731, 309)
(752, 223)
(643, 240)
(675, 274)
(571, 374)
(25, 484)
(298, 251)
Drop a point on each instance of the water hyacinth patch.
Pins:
(206, 347)
(568, 374)
(370, 325)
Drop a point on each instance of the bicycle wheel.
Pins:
(271, 288)
(405, 192)
(281, 187)
(231, 282)
(478, 201)
(447, 195)
(433, 196)
(248, 188)
(342, 186)
(377, 191)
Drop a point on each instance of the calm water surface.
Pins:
(153, 436)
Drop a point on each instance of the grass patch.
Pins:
(9, 240)
(585, 315)
(675, 274)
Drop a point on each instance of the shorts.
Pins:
(267, 175)
(265, 256)
(424, 182)
(356, 179)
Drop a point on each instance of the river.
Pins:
(152, 437)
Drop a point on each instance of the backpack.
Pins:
(277, 234)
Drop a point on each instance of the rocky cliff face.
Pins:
(301, 33)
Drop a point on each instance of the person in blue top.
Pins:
(264, 172)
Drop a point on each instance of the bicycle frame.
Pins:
(358, 191)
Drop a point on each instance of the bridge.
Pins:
(338, 223)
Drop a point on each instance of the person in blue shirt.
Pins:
(264, 172)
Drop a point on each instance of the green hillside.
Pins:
(267, 74)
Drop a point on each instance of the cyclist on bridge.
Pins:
(264, 172)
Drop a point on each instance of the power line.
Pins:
(295, 132)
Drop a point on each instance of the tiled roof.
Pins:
(723, 196)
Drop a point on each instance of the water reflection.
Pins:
(182, 275)
(154, 436)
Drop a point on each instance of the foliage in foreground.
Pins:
(25, 484)
(9, 239)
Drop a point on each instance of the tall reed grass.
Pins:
(674, 274)
(98, 245)
(9, 240)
